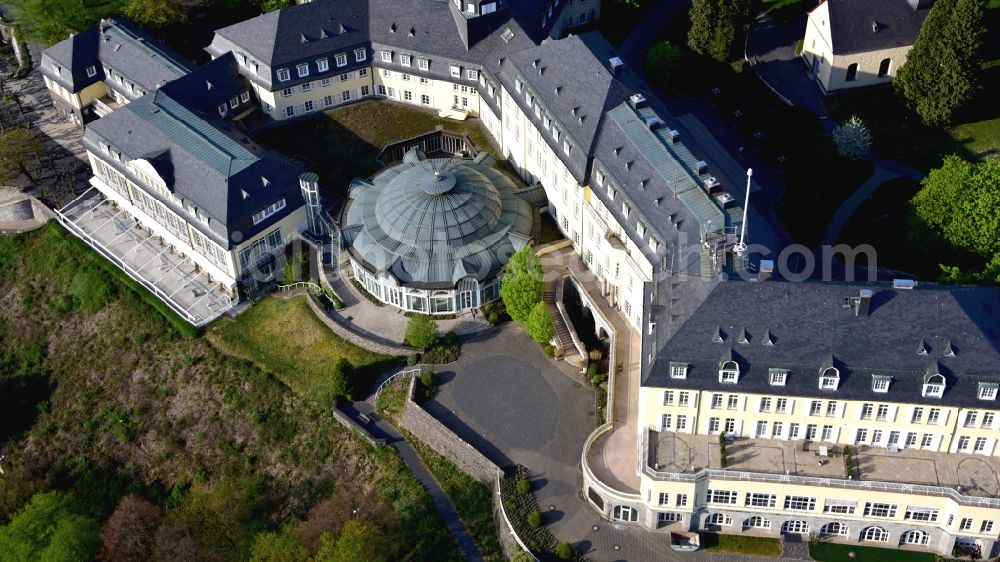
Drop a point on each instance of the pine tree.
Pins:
(852, 137)
(943, 68)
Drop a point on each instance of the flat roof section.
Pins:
(173, 278)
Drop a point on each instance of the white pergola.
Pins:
(175, 279)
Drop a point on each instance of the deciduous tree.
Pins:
(155, 13)
(942, 70)
(49, 529)
(129, 532)
(715, 26)
(960, 201)
(539, 324)
(521, 286)
(421, 331)
(359, 541)
(661, 61)
(281, 546)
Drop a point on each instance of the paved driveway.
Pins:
(771, 50)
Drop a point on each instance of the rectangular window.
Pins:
(405, 60)
(733, 402)
(682, 422)
(926, 440)
(793, 431)
(365, 90)
(781, 406)
(839, 507)
(289, 111)
(800, 503)
(776, 429)
(934, 415)
(988, 418)
(986, 527)
(970, 418)
(360, 55)
(980, 445)
(726, 497)
(345, 96)
(880, 384)
(928, 514)
(665, 422)
(777, 376)
(286, 92)
(341, 59)
(815, 407)
(425, 99)
(423, 64)
(380, 89)
(880, 510)
(713, 425)
(861, 436)
(681, 500)
(668, 397)
(963, 443)
(883, 412)
(664, 498)
(684, 399)
(268, 211)
(234, 103)
(716, 401)
(222, 109)
(345, 77)
(307, 86)
(757, 499)
(472, 74)
(325, 82)
(407, 95)
(386, 56)
(322, 65)
(309, 105)
(678, 370)
(245, 96)
(283, 75)
(456, 72)
(831, 409)
(765, 404)
(91, 71)
(405, 77)
(327, 101)
(302, 70)
(965, 524)
(362, 72)
(987, 391)
(917, 416)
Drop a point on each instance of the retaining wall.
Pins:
(347, 422)
(354, 337)
(442, 440)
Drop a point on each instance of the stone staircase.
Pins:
(562, 331)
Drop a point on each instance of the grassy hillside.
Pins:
(100, 397)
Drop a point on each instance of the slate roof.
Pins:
(208, 168)
(851, 24)
(808, 324)
(120, 45)
(429, 223)
(211, 85)
(301, 31)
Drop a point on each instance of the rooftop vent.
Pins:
(717, 336)
(303, 38)
(392, 28)
(904, 284)
(244, 194)
(642, 184)
(322, 33)
(675, 135)
(768, 340)
(875, 26)
(264, 181)
(654, 122)
(702, 167)
(616, 63)
(922, 347)
(710, 182)
(341, 29)
(628, 165)
(864, 302)
(638, 100)
(744, 338)
(618, 150)
(507, 35)
(558, 90)
(413, 31)
(208, 85)
(949, 350)
(534, 63)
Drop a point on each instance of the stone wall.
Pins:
(344, 331)
(437, 436)
(347, 422)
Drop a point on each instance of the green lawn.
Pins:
(786, 11)
(754, 546)
(343, 143)
(284, 337)
(833, 552)
(472, 499)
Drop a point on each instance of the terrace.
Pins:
(682, 456)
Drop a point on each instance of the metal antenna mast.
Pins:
(741, 246)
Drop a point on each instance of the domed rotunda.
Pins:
(431, 235)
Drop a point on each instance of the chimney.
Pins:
(675, 135)
(702, 167)
(616, 63)
(863, 304)
(766, 270)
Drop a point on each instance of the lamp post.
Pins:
(741, 246)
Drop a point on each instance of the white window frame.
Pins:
(322, 65)
(456, 72)
(91, 71)
(386, 56)
(340, 59)
(360, 55)
(405, 60)
(284, 75)
(302, 69)
(777, 377)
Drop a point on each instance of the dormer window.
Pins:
(988, 391)
(322, 65)
(933, 386)
(456, 72)
(386, 56)
(405, 60)
(678, 370)
(360, 55)
(91, 71)
(777, 377)
(830, 379)
(423, 64)
(57, 68)
(341, 59)
(517, 83)
(302, 70)
(222, 110)
(729, 373)
(284, 75)
(880, 383)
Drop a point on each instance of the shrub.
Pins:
(493, 318)
(539, 323)
(427, 379)
(340, 379)
(412, 359)
(535, 519)
(445, 349)
(523, 486)
(549, 350)
(591, 370)
(564, 551)
(421, 331)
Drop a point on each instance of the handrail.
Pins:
(510, 527)
(296, 285)
(742, 475)
(386, 382)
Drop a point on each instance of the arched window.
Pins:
(795, 527)
(852, 72)
(884, 67)
(756, 522)
(835, 528)
(829, 379)
(934, 386)
(730, 372)
(719, 519)
(874, 534)
(914, 536)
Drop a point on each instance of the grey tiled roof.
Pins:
(201, 164)
(852, 30)
(429, 223)
(301, 31)
(808, 323)
(120, 45)
(214, 83)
